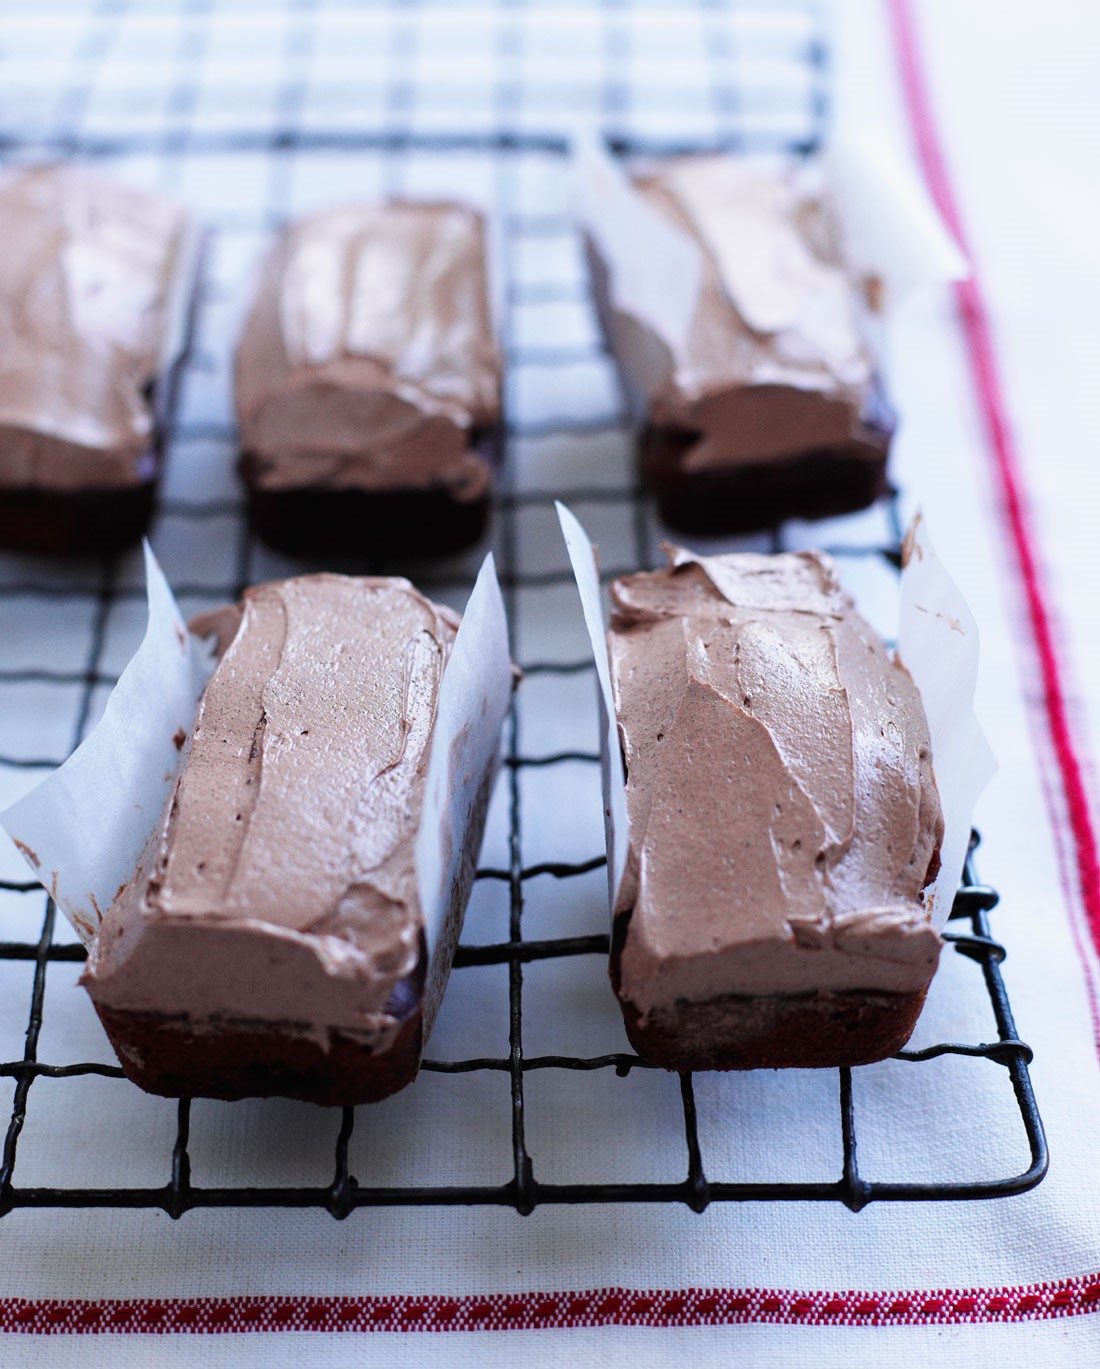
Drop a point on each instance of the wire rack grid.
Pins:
(257, 112)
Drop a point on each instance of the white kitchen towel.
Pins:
(999, 104)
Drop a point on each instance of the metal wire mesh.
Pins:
(254, 113)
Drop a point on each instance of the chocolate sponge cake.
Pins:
(770, 405)
(783, 820)
(276, 937)
(368, 383)
(95, 296)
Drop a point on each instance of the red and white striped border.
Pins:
(702, 1307)
(547, 1311)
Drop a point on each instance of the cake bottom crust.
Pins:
(87, 522)
(353, 523)
(819, 1030)
(318, 521)
(227, 1058)
(820, 483)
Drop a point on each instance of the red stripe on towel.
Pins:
(974, 320)
(554, 1311)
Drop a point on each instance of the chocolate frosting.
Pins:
(369, 358)
(280, 884)
(783, 813)
(87, 279)
(775, 360)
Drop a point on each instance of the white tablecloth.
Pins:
(996, 399)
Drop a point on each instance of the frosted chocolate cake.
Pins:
(272, 940)
(368, 383)
(95, 298)
(783, 820)
(771, 407)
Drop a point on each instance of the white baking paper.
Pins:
(84, 827)
(654, 269)
(938, 645)
(582, 557)
(473, 700)
(181, 296)
(496, 274)
(891, 231)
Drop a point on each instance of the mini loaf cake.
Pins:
(272, 940)
(783, 820)
(368, 383)
(771, 407)
(95, 283)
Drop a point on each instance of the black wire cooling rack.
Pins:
(184, 96)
